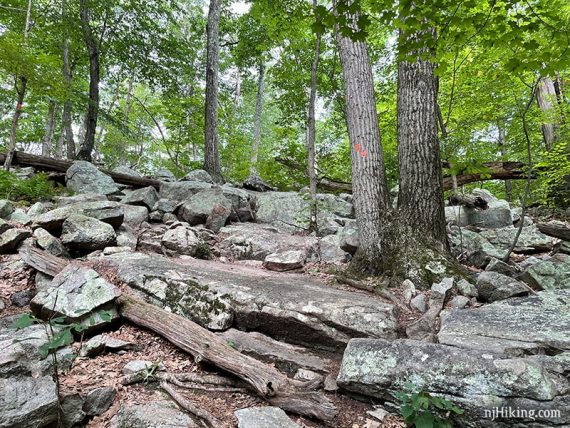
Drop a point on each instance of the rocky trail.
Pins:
(206, 305)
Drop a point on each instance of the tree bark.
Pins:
(311, 132)
(49, 129)
(257, 118)
(547, 102)
(370, 190)
(93, 49)
(420, 197)
(67, 75)
(21, 93)
(211, 154)
(502, 147)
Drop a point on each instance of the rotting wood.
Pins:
(204, 416)
(555, 228)
(292, 396)
(469, 201)
(43, 261)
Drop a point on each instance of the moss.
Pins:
(203, 251)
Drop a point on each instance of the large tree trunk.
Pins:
(21, 91)
(85, 153)
(211, 154)
(420, 197)
(66, 130)
(547, 100)
(311, 132)
(502, 147)
(50, 126)
(257, 119)
(370, 190)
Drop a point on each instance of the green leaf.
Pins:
(23, 321)
(424, 420)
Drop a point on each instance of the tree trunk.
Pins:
(547, 102)
(257, 118)
(21, 92)
(370, 190)
(211, 154)
(237, 99)
(502, 147)
(311, 132)
(128, 102)
(50, 126)
(420, 197)
(85, 153)
(66, 129)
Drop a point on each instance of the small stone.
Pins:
(147, 196)
(20, 217)
(330, 383)
(6, 208)
(11, 238)
(22, 298)
(307, 375)
(284, 261)
(408, 290)
(493, 286)
(379, 413)
(496, 265)
(115, 250)
(169, 218)
(98, 401)
(263, 417)
(86, 233)
(136, 366)
(198, 175)
(439, 292)
(459, 302)
(72, 410)
(50, 243)
(155, 216)
(467, 289)
(419, 303)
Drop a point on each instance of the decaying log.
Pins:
(43, 261)
(469, 201)
(205, 416)
(43, 163)
(270, 384)
(555, 228)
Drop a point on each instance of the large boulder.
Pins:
(27, 402)
(531, 240)
(182, 239)
(135, 215)
(50, 243)
(197, 209)
(535, 324)
(125, 170)
(107, 211)
(164, 175)
(284, 261)
(330, 251)
(82, 233)
(348, 238)
(182, 190)
(475, 380)
(80, 295)
(152, 414)
(12, 238)
(198, 175)
(549, 274)
(473, 248)
(493, 286)
(243, 204)
(289, 306)
(84, 177)
(287, 210)
(335, 204)
(147, 197)
(498, 214)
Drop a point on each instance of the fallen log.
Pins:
(43, 261)
(44, 163)
(469, 201)
(266, 381)
(555, 228)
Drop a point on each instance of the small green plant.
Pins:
(148, 374)
(420, 409)
(36, 188)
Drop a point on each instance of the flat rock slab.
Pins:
(290, 306)
(517, 325)
(264, 417)
(156, 414)
(475, 380)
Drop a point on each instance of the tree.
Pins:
(211, 154)
(257, 118)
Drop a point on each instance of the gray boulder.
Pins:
(135, 215)
(182, 190)
(287, 210)
(511, 325)
(335, 204)
(86, 233)
(218, 217)
(197, 209)
(28, 402)
(107, 211)
(79, 294)
(419, 303)
(6, 208)
(11, 239)
(349, 238)
(284, 261)
(531, 240)
(98, 401)
(147, 197)
(62, 201)
(21, 217)
(198, 175)
(165, 206)
(84, 177)
(493, 286)
(181, 239)
(243, 204)
(498, 214)
(476, 380)
(164, 175)
(475, 249)
(330, 251)
(549, 274)
(496, 265)
(153, 414)
(39, 208)
(264, 417)
(465, 288)
(125, 170)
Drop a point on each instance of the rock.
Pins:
(20, 217)
(531, 240)
(98, 401)
(22, 298)
(165, 206)
(218, 217)
(2, 305)
(349, 239)
(127, 171)
(147, 197)
(137, 366)
(135, 215)
(156, 216)
(169, 218)
(467, 289)
(439, 291)
(4, 226)
(153, 414)
(42, 281)
(28, 402)
(419, 303)
(101, 342)
(459, 302)
(472, 379)
(493, 286)
(182, 239)
(336, 205)
(499, 266)
(107, 251)
(474, 248)
(126, 237)
(549, 274)
(86, 233)
(408, 290)
(39, 208)
(287, 210)
(80, 295)
(243, 204)
(52, 221)
(331, 251)
(197, 209)
(511, 325)
(256, 183)
(286, 306)
(50, 243)
(164, 175)
(287, 260)
(107, 211)
(6, 208)
(198, 175)
(379, 413)
(181, 191)
(150, 239)
(263, 417)
(11, 239)
(63, 201)
(498, 214)
(72, 410)
(84, 177)
(305, 375)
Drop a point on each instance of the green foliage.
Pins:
(423, 410)
(36, 188)
(555, 173)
